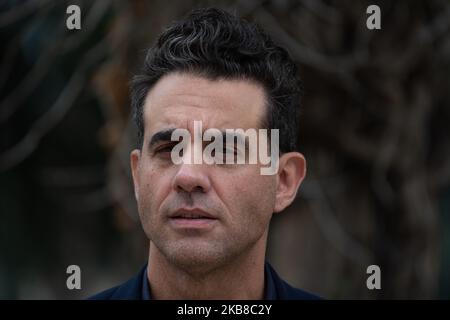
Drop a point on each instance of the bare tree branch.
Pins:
(62, 45)
(54, 115)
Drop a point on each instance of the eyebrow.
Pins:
(164, 135)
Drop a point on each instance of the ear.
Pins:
(291, 172)
(135, 157)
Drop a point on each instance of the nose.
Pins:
(192, 178)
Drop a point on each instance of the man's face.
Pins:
(238, 198)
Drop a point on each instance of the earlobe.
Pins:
(291, 173)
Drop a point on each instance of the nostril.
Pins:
(191, 179)
(189, 189)
(198, 189)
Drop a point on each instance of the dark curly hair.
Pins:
(215, 44)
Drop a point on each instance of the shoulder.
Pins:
(287, 292)
(104, 295)
(129, 290)
(291, 293)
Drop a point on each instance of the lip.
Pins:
(191, 213)
(192, 219)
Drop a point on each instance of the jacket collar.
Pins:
(275, 288)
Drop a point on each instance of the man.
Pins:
(208, 223)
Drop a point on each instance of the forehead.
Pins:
(178, 99)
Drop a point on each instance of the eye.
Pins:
(164, 149)
(225, 152)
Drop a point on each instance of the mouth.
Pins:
(193, 218)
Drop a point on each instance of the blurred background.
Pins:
(374, 130)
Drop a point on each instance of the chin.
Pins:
(195, 257)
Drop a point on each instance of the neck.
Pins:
(240, 279)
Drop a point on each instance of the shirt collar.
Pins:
(270, 292)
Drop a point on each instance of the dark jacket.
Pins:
(132, 289)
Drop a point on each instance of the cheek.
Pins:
(249, 196)
(152, 191)
(261, 197)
